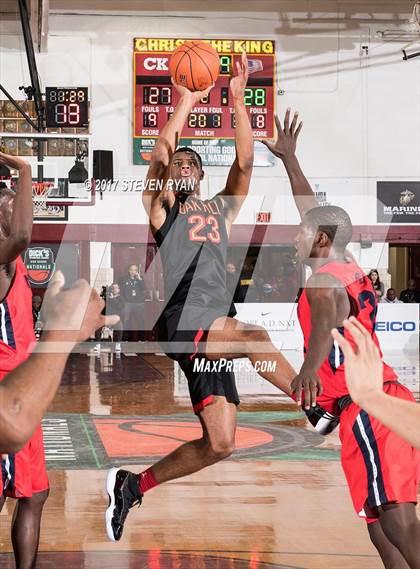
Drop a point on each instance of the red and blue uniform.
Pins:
(23, 473)
(380, 467)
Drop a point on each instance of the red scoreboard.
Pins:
(213, 118)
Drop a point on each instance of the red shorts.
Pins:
(25, 473)
(380, 467)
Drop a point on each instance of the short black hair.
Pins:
(188, 149)
(332, 220)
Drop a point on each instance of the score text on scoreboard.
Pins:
(66, 107)
(213, 119)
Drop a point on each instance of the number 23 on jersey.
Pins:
(204, 228)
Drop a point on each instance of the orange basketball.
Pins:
(195, 65)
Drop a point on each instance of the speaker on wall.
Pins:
(103, 167)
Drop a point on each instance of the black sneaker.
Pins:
(123, 492)
(323, 421)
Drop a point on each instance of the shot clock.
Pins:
(67, 107)
(155, 98)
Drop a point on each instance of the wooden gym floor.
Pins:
(280, 502)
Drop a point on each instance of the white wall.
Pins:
(361, 113)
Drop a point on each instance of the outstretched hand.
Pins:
(75, 311)
(285, 145)
(193, 96)
(238, 82)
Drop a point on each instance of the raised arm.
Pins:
(285, 149)
(154, 201)
(70, 316)
(239, 177)
(15, 238)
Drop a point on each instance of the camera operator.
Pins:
(113, 302)
(132, 292)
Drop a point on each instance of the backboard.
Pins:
(63, 160)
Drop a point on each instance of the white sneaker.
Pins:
(118, 347)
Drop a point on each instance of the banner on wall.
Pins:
(398, 202)
(397, 326)
(40, 264)
(216, 152)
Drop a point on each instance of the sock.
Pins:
(147, 480)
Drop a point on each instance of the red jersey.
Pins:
(16, 323)
(363, 305)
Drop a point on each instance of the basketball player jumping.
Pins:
(192, 235)
(24, 474)
(382, 469)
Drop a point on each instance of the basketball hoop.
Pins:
(40, 193)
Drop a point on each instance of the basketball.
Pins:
(195, 65)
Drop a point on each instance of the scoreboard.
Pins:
(213, 119)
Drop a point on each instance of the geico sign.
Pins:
(158, 63)
(395, 326)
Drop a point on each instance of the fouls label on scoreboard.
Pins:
(155, 98)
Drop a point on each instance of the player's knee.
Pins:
(222, 448)
(37, 500)
(254, 333)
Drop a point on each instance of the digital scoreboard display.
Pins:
(66, 107)
(155, 98)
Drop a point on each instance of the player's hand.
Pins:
(363, 367)
(285, 145)
(13, 162)
(193, 97)
(73, 314)
(305, 387)
(238, 82)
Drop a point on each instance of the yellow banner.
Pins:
(220, 45)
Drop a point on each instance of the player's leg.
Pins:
(382, 472)
(230, 338)
(2, 500)
(126, 489)
(402, 528)
(218, 421)
(25, 529)
(390, 555)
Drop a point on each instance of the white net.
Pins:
(40, 193)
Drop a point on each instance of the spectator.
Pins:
(391, 297)
(232, 283)
(36, 308)
(376, 283)
(410, 294)
(247, 291)
(132, 294)
(284, 282)
(113, 305)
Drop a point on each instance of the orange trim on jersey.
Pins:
(200, 406)
(198, 336)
